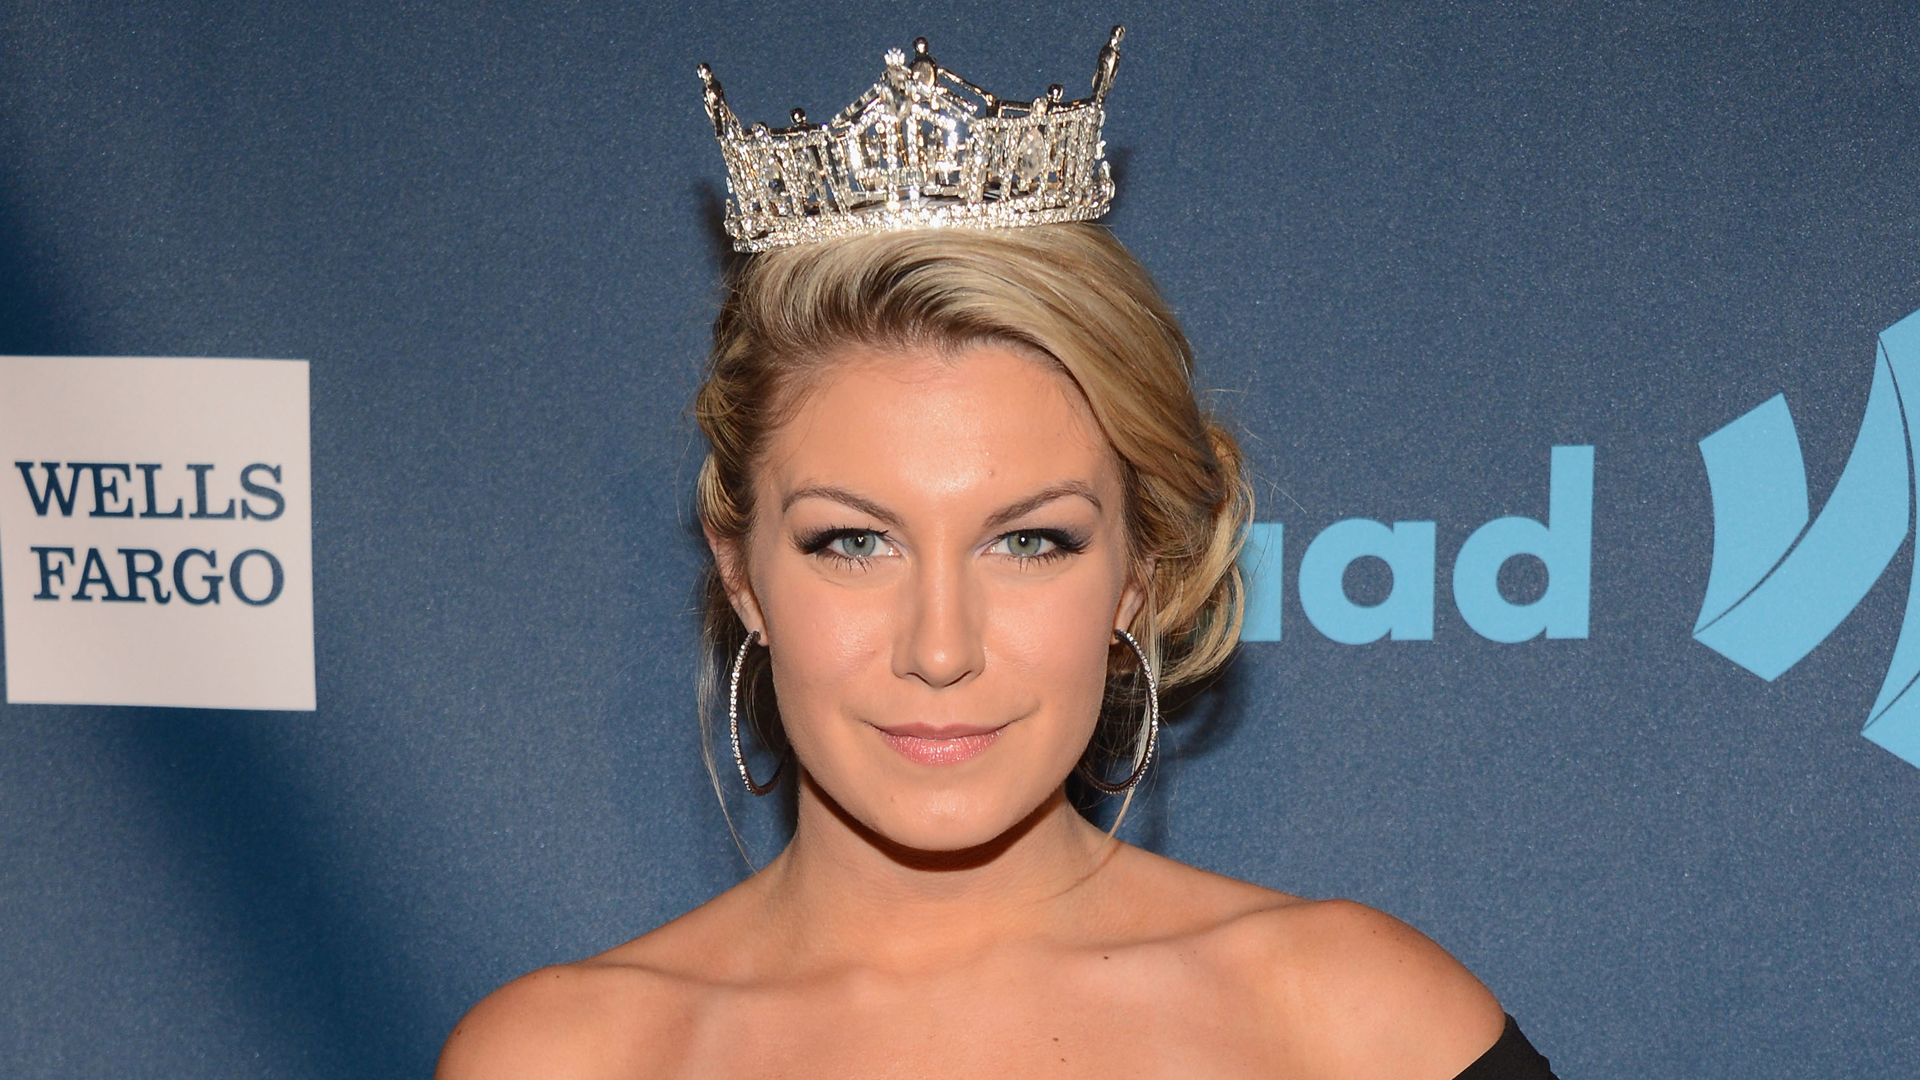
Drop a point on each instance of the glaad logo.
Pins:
(1564, 544)
(1778, 585)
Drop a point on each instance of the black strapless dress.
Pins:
(1512, 1058)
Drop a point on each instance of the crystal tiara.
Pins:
(923, 149)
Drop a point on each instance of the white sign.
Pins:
(155, 533)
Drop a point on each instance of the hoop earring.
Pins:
(1153, 727)
(733, 723)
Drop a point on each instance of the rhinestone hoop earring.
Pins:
(1153, 727)
(733, 722)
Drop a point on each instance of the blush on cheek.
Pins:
(826, 628)
(826, 658)
(1058, 641)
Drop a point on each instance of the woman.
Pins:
(960, 495)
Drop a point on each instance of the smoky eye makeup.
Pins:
(852, 544)
(849, 544)
(1039, 545)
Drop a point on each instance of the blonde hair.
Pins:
(1070, 293)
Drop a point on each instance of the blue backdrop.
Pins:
(1416, 248)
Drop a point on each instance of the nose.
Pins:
(940, 644)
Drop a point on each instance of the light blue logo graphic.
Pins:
(1260, 569)
(1564, 544)
(1780, 586)
(1407, 612)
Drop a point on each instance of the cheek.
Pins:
(1056, 637)
(825, 638)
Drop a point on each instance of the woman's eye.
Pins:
(1027, 545)
(859, 545)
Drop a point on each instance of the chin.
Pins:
(943, 820)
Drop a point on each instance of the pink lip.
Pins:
(926, 744)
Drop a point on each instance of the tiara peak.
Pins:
(924, 148)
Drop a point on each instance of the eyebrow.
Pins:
(1000, 517)
(1041, 498)
(844, 498)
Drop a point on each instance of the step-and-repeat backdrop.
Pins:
(349, 574)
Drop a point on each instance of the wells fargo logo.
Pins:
(142, 579)
(156, 542)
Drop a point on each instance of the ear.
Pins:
(730, 559)
(1134, 596)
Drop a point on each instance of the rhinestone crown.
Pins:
(923, 149)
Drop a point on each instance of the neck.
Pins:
(842, 893)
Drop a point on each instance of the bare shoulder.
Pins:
(629, 1012)
(1181, 900)
(1366, 994)
(1352, 991)
(577, 1021)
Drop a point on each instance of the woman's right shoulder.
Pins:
(603, 1017)
(630, 1012)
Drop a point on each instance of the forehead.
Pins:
(984, 420)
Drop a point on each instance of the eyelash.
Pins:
(820, 543)
(1064, 545)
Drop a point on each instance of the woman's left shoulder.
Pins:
(1351, 990)
(1368, 994)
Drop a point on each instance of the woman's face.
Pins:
(937, 562)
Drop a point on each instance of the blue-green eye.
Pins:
(856, 545)
(1027, 545)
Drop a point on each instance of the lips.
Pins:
(925, 744)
